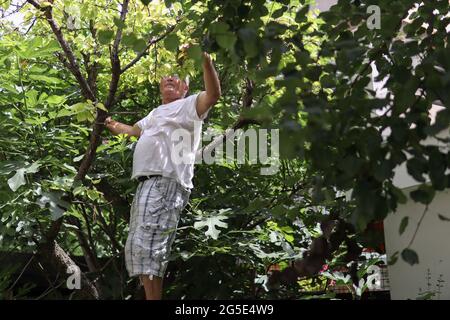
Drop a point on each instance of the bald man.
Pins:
(164, 184)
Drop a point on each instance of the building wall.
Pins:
(432, 244)
(323, 5)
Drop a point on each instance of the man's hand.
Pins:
(206, 59)
(109, 122)
(209, 97)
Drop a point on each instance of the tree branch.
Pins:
(114, 55)
(95, 140)
(50, 250)
(119, 204)
(72, 62)
(247, 102)
(61, 261)
(149, 44)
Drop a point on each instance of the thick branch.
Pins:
(89, 255)
(95, 140)
(50, 250)
(72, 62)
(92, 71)
(115, 61)
(61, 261)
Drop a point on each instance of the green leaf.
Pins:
(171, 42)
(157, 28)
(7, 63)
(47, 79)
(64, 113)
(31, 97)
(56, 100)
(6, 167)
(50, 47)
(443, 218)
(406, 95)
(105, 36)
(79, 190)
(393, 259)
(92, 194)
(52, 200)
(248, 37)
(119, 23)
(416, 168)
(424, 194)
(79, 107)
(33, 168)
(128, 39)
(410, 256)
(18, 180)
(212, 222)
(5, 4)
(195, 53)
(403, 225)
(278, 13)
(226, 40)
(101, 106)
(78, 158)
(81, 117)
(398, 193)
(145, 2)
(219, 27)
(437, 166)
(139, 45)
(301, 15)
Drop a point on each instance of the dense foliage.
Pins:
(65, 185)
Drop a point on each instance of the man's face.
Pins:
(172, 88)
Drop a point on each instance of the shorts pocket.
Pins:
(159, 217)
(158, 231)
(175, 196)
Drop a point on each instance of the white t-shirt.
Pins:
(159, 144)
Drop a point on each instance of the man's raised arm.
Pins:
(117, 128)
(209, 97)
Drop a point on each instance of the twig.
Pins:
(98, 126)
(418, 226)
(49, 290)
(73, 64)
(21, 273)
(149, 44)
(31, 25)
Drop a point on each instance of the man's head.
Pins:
(173, 88)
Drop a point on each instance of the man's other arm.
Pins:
(209, 97)
(120, 128)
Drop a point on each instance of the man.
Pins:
(164, 185)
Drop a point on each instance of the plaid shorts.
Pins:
(155, 213)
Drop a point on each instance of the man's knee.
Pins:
(152, 286)
(145, 277)
(150, 279)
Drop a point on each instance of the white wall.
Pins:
(323, 5)
(432, 244)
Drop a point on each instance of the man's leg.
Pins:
(152, 286)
